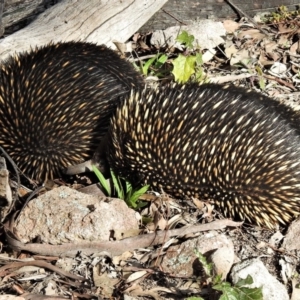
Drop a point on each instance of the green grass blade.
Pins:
(135, 196)
(160, 61)
(102, 181)
(128, 186)
(117, 185)
(148, 64)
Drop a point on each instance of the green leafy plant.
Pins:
(154, 65)
(188, 64)
(281, 15)
(237, 292)
(104, 183)
(123, 189)
(186, 39)
(184, 67)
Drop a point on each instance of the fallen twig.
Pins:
(118, 247)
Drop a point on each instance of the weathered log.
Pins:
(1, 14)
(103, 21)
(99, 21)
(19, 13)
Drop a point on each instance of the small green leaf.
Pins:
(162, 59)
(217, 279)
(207, 267)
(148, 64)
(199, 75)
(261, 81)
(229, 292)
(199, 59)
(132, 199)
(140, 192)
(130, 196)
(186, 39)
(242, 282)
(156, 62)
(102, 180)
(222, 286)
(128, 187)
(141, 204)
(239, 291)
(184, 67)
(259, 70)
(146, 220)
(262, 84)
(199, 71)
(250, 293)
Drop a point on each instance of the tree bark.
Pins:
(98, 21)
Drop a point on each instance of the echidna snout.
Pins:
(238, 149)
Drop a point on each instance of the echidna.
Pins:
(239, 149)
(56, 102)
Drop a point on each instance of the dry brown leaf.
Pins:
(283, 28)
(230, 51)
(251, 33)
(208, 214)
(117, 260)
(144, 45)
(199, 204)
(239, 56)
(284, 40)
(123, 47)
(264, 60)
(51, 288)
(275, 56)
(294, 48)
(139, 292)
(136, 275)
(159, 221)
(150, 227)
(231, 26)
(175, 220)
(270, 46)
(135, 37)
(16, 265)
(148, 197)
(106, 283)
